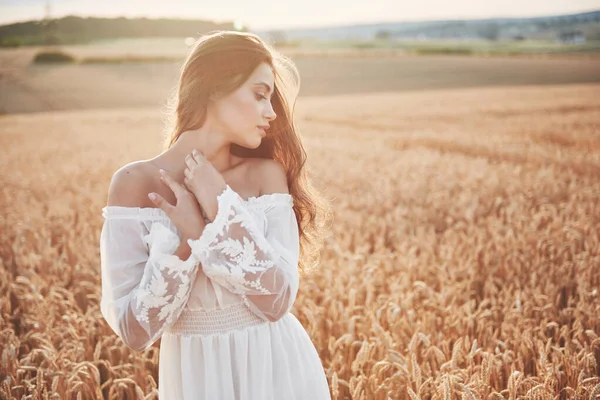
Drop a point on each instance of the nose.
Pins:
(270, 113)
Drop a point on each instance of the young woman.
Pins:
(201, 244)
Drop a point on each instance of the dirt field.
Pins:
(463, 259)
(32, 88)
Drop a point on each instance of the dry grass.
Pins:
(108, 84)
(463, 261)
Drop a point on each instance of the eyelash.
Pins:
(260, 96)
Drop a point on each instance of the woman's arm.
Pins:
(261, 268)
(144, 284)
(146, 275)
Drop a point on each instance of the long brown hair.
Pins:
(219, 63)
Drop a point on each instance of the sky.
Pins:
(271, 14)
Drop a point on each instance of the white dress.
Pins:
(223, 314)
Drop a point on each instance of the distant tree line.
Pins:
(586, 24)
(78, 30)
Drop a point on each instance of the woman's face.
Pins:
(242, 112)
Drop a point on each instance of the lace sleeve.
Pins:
(261, 268)
(144, 285)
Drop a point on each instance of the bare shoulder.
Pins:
(130, 185)
(273, 177)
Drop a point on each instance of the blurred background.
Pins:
(457, 142)
(128, 53)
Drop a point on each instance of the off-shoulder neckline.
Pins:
(262, 200)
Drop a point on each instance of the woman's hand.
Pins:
(204, 181)
(186, 215)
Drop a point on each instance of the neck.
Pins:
(211, 145)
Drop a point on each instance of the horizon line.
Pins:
(348, 24)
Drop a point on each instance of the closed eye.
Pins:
(260, 96)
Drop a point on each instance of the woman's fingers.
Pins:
(175, 186)
(198, 157)
(190, 162)
(161, 203)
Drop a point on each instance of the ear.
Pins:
(211, 102)
(216, 95)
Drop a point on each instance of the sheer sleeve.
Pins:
(144, 284)
(261, 268)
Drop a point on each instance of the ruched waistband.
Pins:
(201, 322)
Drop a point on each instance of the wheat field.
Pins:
(463, 260)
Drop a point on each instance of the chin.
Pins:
(251, 146)
(257, 143)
